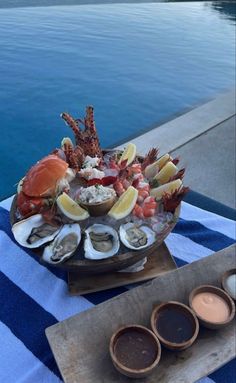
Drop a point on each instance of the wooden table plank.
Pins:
(80, 343)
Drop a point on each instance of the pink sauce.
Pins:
(211, 307)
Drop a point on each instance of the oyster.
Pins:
(101, 242)
(33, 232)
(64, 245)
(136, 237)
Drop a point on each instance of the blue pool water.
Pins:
(136, 63)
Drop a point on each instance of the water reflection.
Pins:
(47, 3)
(226, 8)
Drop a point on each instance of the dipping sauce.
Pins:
(211, 307)
(230, 284)
(174, 324)
(135, 349)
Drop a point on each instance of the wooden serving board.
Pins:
(81, 343)
(158, 261)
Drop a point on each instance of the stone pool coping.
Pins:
(204, 139)
(181, 130)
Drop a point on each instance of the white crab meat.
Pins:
(64, 183)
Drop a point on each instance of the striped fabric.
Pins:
(33, 297)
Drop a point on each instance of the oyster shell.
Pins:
(63, 245)
(136, 237)
(33, 232)
(101, 242)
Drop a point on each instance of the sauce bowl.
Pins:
(175, 325)
(135, 351)
(220, 294)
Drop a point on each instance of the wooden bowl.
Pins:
(100, 208)
(170, 316)
(221, 293)
(135, 351)
(224, 279)
(124, 258)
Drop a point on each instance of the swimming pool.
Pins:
(138, 64)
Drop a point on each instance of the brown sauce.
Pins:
(174, 325)
(135, 349)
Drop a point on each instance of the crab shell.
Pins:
(42, 179)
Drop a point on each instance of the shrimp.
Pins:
(118, 187)
(147, 209)
(134, 169)
(142, 194)
(138, 211)
(143, 191)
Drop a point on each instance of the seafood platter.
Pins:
(92, 210)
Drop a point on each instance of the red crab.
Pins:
(41, 184)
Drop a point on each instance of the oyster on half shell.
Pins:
(63, 245)
(101, 242)
(136, 237)
(33, 232)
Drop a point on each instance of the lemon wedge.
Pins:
(170, 187)
(128, 154)
(70, 208)
(168, 171)
(125, 204)
(151, 170)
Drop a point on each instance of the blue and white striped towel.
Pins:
(33, 297)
